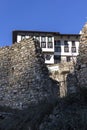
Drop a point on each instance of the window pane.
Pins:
(73, 43)
(50, 45)
(57, 43)
(48, 56)
(73, 49)
(43, 39)
(43, 44)
(57, 59)
(49, 39)
(66, 43)
(66, 49)
(57, 49)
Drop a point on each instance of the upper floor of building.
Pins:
(52, 43)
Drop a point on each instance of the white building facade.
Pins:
(56, 47)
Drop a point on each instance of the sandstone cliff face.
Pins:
(24, 77)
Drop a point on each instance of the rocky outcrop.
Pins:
(81, 67)
(78, 78)
(24, 77)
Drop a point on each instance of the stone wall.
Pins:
(78, 78)
(66, 77)
(24, 78)
(81, 67)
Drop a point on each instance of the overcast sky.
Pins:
(64, 16)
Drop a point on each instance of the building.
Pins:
(57, 47)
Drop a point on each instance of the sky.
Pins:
(64, 16)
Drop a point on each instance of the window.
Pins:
(49, 39)
(57, 49)
(43, 44)
(43, 39)
(22, 37)
(57, 59)
(73, 43)
(65, 43)
(66, 46)
(47, 56)
(68, 58)
(58, 46)
(58, 43)
(50, 45)
(73, 49)
(66, 49)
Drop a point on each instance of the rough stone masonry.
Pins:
(24, 78)
(78, 79)
(82, 59)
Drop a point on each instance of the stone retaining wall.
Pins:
(24, 77)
